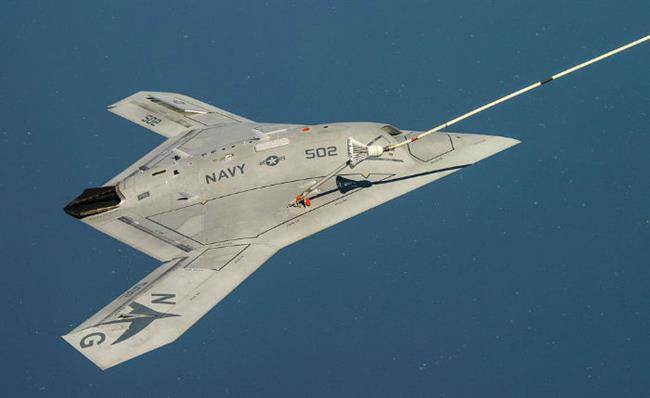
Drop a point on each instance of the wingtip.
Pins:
(515, 141)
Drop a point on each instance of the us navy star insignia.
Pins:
(272, 160)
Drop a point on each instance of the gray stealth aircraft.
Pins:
(224, 193)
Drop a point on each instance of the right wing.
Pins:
(169, 114)
(163, 305)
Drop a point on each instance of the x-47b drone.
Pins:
(223, 193)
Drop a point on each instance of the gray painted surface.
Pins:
(524, 275)
(215, 204)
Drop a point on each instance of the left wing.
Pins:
(163, 305)
(170, 114)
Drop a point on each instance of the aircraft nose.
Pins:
(475, 147)
(493, 142)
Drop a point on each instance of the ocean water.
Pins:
(524, 275)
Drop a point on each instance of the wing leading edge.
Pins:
(162, 306)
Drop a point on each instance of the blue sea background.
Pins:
(525, 275)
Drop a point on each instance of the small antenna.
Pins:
(359, 152)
